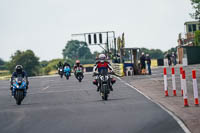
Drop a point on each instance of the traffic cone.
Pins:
(181, 69)
(184, 89)
(173, 81)
(195, 89)
(165, 81)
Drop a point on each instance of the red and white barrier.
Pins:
(165, 81)
(195, 89)
(185, 97)
(173, 81)
(181, 69)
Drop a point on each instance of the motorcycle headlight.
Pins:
(101, 77)
(17, 86)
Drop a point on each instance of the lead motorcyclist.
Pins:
(102, 64)
(77, 65)
(19, 71)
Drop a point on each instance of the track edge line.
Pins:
(176, 118)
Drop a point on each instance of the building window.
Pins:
(189, 28)
(194, 28)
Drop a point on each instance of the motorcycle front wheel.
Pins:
(19, 96)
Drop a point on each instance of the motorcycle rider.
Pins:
(77, 65)
(59, 66)
(102, 64)
(19, 71)
(65, 65)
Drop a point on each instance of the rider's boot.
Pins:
(11, 88)
(111, 88)
(113, 80)
(96, 83)
(98, 88)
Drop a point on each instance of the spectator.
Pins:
(174, 58)
(148, 59)
(142, 62)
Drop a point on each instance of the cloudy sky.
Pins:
(45, 26)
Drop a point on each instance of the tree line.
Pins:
(72, 51)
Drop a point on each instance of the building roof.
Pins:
(191, 22)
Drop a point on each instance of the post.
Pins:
(165, 82)
(181, 80)
(173, 81)
(195, 89)
(185, 97)
(107, 45)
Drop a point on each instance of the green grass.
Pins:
(4, 74)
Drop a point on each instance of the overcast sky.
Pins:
(45, 26)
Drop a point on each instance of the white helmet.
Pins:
(102, 57)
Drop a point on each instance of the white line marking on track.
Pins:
(46, 92)
(45, 88)
(179, 121)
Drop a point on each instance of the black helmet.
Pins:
(19, 68)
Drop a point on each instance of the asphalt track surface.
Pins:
(55, 105)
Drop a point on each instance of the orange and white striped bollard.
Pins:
(185, 97)
(165, 81)
(173, 81)
(195, 89)
(181, 69)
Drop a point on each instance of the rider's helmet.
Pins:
(142, 53)
(19, 68)
(77, 62)
(102, 57)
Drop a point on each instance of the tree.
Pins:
(27, 59)
(197, 38)
(43, 63)
(1, 62)
(75, 49)
(196, 6)
(71, 49)
(153, 53)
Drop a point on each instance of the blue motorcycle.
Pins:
(19, 89)
(67, 71)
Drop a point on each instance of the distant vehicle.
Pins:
(79, 73)
(67, 72)
(19, 89)
(104, 83)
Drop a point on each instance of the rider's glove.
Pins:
(94, 74)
